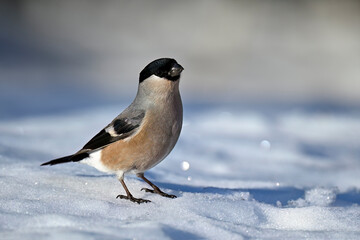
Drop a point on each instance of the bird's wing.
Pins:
(121, 127)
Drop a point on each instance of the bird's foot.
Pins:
(135, 200)
(158, 192)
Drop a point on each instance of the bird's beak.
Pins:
(176, 70)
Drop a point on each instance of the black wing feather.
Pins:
(101, 139)
(123, 127)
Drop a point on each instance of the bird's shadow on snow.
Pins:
(95, 175)
(273, 196)
(174, 233)
(269, 196)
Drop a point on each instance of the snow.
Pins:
(239, 173)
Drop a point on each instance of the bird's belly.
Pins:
(94, 160)
(142, 151)
(156, 148)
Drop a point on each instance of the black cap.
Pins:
(164, 68)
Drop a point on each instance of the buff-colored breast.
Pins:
(152, 142)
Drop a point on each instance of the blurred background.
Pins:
(65, 55)
(271, 93)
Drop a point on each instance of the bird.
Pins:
(143, 134)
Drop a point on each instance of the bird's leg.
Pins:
(129, 196)
(155, 188)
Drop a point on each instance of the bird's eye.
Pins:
(175, 71)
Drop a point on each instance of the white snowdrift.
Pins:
(302, 182)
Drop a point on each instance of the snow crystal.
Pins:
(316, 197)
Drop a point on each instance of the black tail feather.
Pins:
(58, 160)
(70, 158)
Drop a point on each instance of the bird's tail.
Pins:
(70, 158)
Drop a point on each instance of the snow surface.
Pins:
(238, 174)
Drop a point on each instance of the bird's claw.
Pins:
(158, 192)
(135, 200)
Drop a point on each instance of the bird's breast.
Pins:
(154, 140)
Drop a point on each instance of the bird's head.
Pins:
(165, 68)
